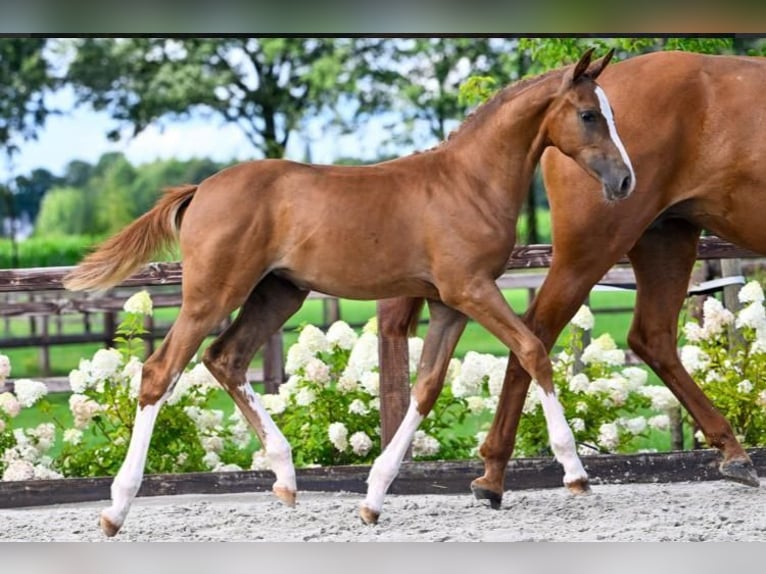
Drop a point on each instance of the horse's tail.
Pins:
(119, 256)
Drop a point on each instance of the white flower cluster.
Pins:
(5, 368)
(603, 350)
(468, 378)
(28, 392)
(424, 445)
(28, 459)
(139, 303)
(583, 318)
(105, 366)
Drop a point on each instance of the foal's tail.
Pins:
(119, 256)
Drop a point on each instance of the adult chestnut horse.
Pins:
(694, 126)
(439, 225)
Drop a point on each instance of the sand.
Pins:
(687, 511)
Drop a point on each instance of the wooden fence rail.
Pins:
(394, 379)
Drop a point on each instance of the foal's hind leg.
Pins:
(480, 299)
(445, 328)
(662, 261)
(196, 319)
(270, 304)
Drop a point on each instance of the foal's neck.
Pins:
(503, 143)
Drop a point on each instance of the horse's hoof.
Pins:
(286, 495)
(484, 493)
(107, 526)
(741, 471)
(579, 486)
(369, 516)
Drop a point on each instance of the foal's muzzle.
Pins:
(618, 181)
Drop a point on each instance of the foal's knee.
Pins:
(533, 357)
(154, 386)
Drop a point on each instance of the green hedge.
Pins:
(46, 251)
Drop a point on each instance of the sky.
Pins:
(80, 133)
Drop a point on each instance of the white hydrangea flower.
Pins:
(297, 358)
(581, 407)
(212, 443)
(745, 386)
(635, 376)
(608, 436)
(105, 364)
(341, 335)
(370, 382)
(5, 368)
(580, 383)
(19, 470)
(317, 371)
(694, 333)
(583, 318)
(453, 370)
(659, 422)
(603, 350)
(289, 387)
(496, 367)
(475, 404)
(347, 383)
(662, 399)
(358, 407)
(424, 444)
(73, 436)
(205, 419)
(28, 392)
(374, 404)
(371, 327)
(140, 303)
(415, 348)
(753, 316)
(531, 401)
(83, 409)
(471, 376)
(577, 424)
(228, 467)
(360, 443)
(274, 404)
(45, 433)
(10, 404)
(260, 461)
(490, 403)
(761, 400)
(45, 472)
(716, 317)
(211, 460)
(313, 340)
(363, 357)
(694, 359)
(635, 425)
(338, 434)
(305, 396)
(758, 347)
(751, 292)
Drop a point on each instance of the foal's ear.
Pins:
(582, 65)
(598, 66)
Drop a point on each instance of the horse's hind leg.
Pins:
(662, 261)
(446, 326)
(270, 304)
(196, 319)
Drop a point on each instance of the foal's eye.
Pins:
(588, 116)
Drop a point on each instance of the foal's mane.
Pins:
(488, 108)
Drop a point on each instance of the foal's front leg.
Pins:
(446, 326)
(480, 299)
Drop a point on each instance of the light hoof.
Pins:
(741, 471)
(369, 516)
(482, 492)
(579, 486)
(286, 495)
(108, 527)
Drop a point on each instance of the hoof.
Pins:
(107, 526)
(483, 493)
(368, 515)
(284, 494)
(741, 471)
(579, 486)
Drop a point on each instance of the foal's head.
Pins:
(581, 124)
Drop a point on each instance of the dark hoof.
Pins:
(741, 471)
(579, 486)
(368, 515)
(481, 493)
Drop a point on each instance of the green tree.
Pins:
(64, 211)
(266, 86)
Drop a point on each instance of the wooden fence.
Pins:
(165, 278)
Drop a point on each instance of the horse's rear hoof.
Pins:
(579, 486)
(369, 516)
(108, 527)
(741, 471)
(483, 493)
(286, 495)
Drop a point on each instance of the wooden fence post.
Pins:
(394, 358)
(732, 268)
(331, 311)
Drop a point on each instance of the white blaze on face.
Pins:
(606, 111)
